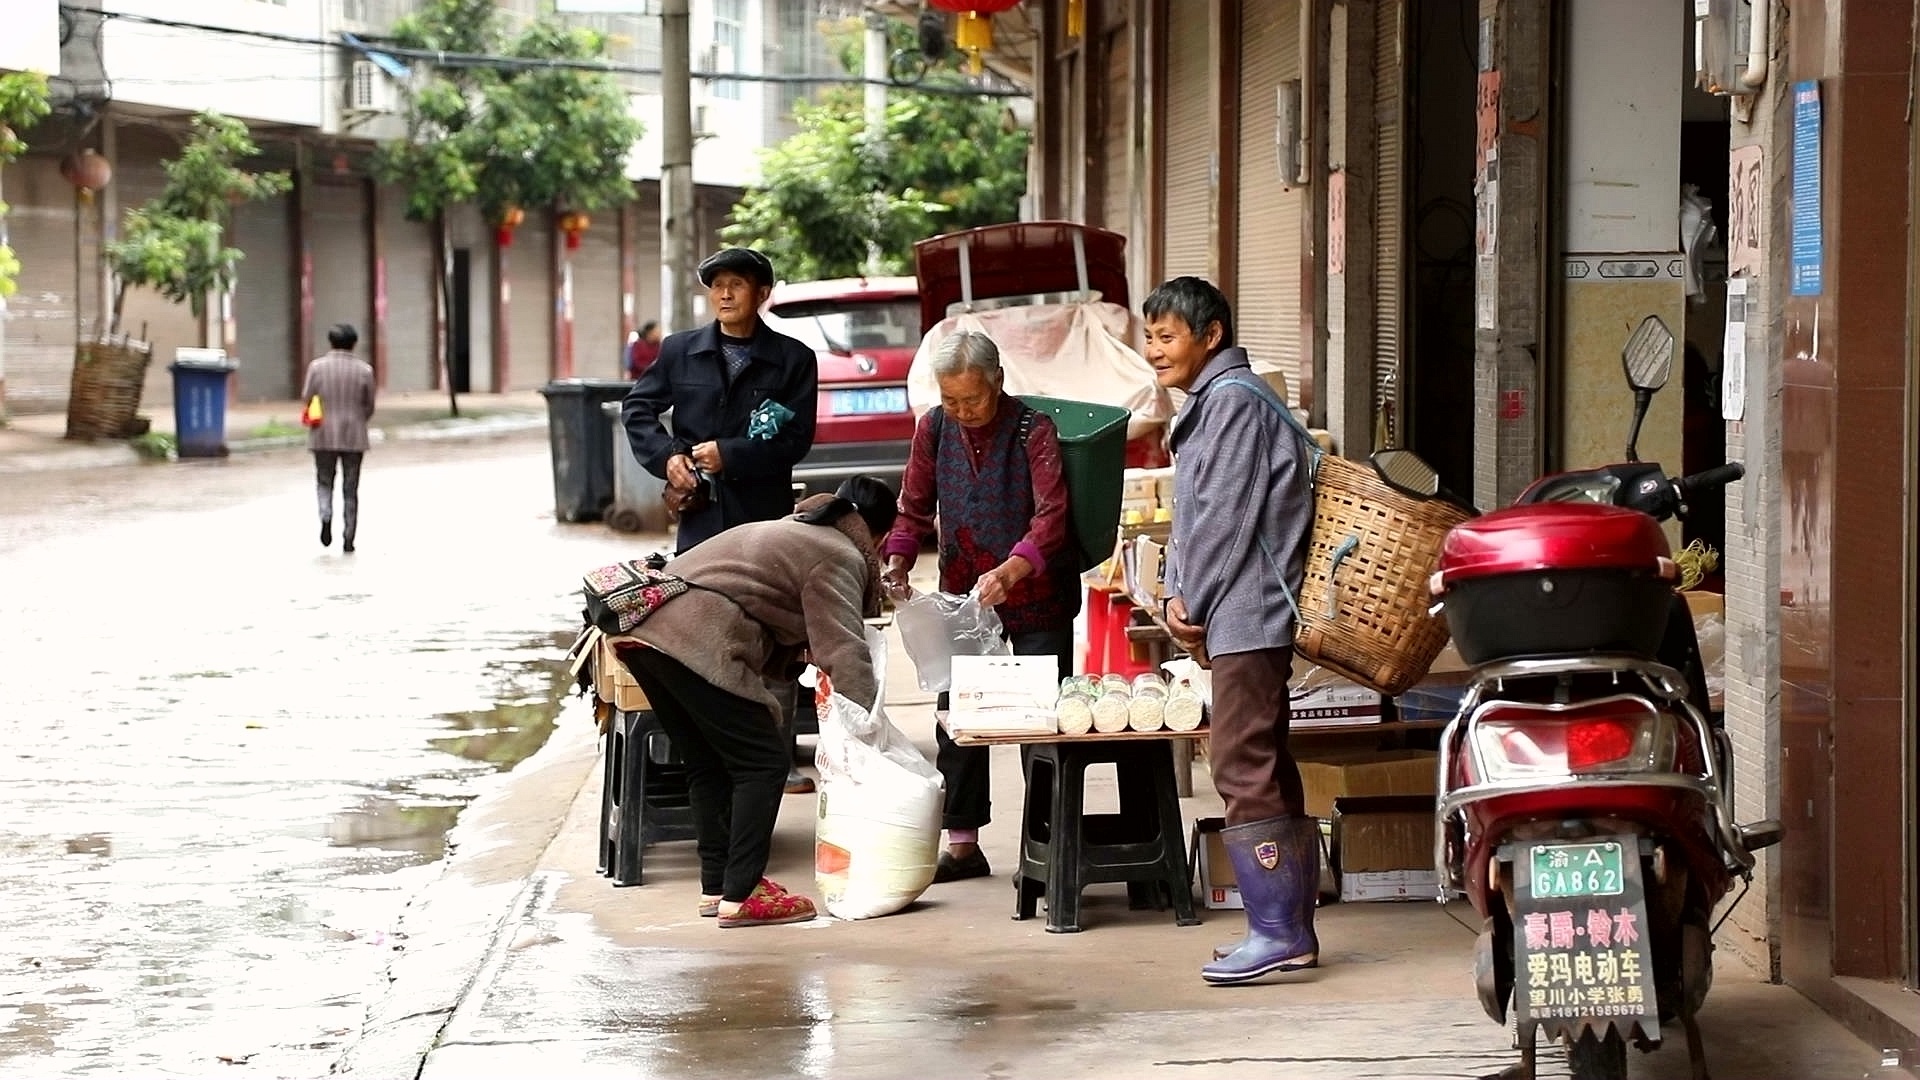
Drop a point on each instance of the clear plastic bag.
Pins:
(938, 626)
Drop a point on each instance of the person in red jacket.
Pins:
(644, 350)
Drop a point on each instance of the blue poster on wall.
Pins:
(1807, 246)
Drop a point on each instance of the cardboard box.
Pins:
(1366, 772)
(1149, 557)
(1389, 885)
(1322, 699)
(611, 679)
(1383, 832)
(1705, 603)
(1218, 889)
(1163, 488)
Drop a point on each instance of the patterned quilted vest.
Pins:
(986, 507)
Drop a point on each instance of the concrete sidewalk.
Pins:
(36, 442)
(521, 961)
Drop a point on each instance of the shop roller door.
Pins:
(530, 313)
(597, 336)
(342, 263)
(1389, 215)
(1267, 259)
(39, 322)
(1116, 185)
(1187, 141)
(411, 280)
(647, 301)
(264, 300)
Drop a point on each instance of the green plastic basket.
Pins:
(1093, 452)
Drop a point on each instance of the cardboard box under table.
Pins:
(1219, 889)
(1383, 847)
(1365, 772)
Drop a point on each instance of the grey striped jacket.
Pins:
(345, 385)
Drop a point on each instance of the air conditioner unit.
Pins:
(702, 126)
(720, 59)
(369, 90)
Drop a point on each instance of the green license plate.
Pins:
(1561, 870)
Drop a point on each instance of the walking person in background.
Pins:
(1242, 514)
(344, 384)
(985, 479)
(644, 350)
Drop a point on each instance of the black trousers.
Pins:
(348, 463)
(965, 768)
(736, 759)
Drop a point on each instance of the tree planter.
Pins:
(108, 375)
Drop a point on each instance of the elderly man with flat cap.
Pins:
(743, 398)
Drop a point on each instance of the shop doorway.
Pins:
(1704, 149)
(460, 322)
(1439, 305)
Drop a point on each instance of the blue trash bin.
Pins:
(200, 406)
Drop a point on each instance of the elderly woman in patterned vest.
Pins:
(989, 468)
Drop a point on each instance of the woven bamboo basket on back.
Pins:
(1363, 604)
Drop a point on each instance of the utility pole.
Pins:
(677, 255)
(875, 71)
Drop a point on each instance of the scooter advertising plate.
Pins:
(1582, 955)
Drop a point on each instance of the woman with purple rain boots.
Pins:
(1243, 507)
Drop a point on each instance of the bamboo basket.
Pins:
(1364, 601)
(108, 376)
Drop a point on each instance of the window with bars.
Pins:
(729, 44)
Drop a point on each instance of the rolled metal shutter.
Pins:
(597, 340)
(412, 279)
(530, 314)
(342, 263)
(264, 299)
(39, 321)
(1187, 143)
(647, 301)
(1267, 267)
(1117, 149)
(1389, 215)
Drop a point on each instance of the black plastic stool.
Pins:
(643, 794)
(1063, 849)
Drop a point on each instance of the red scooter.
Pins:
(1586, 804)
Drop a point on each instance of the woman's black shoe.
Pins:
(952, 869)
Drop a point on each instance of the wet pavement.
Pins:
(231, 756)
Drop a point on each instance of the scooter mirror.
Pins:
(1648, 355)
(1404, 471)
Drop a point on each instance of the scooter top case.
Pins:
(1556, 579)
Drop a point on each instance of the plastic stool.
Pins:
(1063, 849)
(643, 794)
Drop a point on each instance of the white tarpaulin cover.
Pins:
(1073, 351)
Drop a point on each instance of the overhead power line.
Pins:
(522, 63)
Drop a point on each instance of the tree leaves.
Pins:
(172, 244)
(832, 193)
(503, 134)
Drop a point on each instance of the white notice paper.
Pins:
(1733, 353)
(1003, 695)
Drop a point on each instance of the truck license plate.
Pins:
(1563, 870)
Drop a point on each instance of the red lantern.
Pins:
(87, 171)
(572, 224)
(974, 33)
(510, 219)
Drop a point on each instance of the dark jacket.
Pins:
(689, 377)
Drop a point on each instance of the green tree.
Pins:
(23, 101)
(832, 195)
(174, 243)
(503, 130)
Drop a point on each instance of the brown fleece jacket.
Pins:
(767, 589)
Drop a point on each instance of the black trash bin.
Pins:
(581, 437)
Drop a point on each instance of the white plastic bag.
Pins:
(877, 839)
(938, 626)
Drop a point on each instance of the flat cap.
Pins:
(746, 262)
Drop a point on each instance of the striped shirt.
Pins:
(345, 385)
